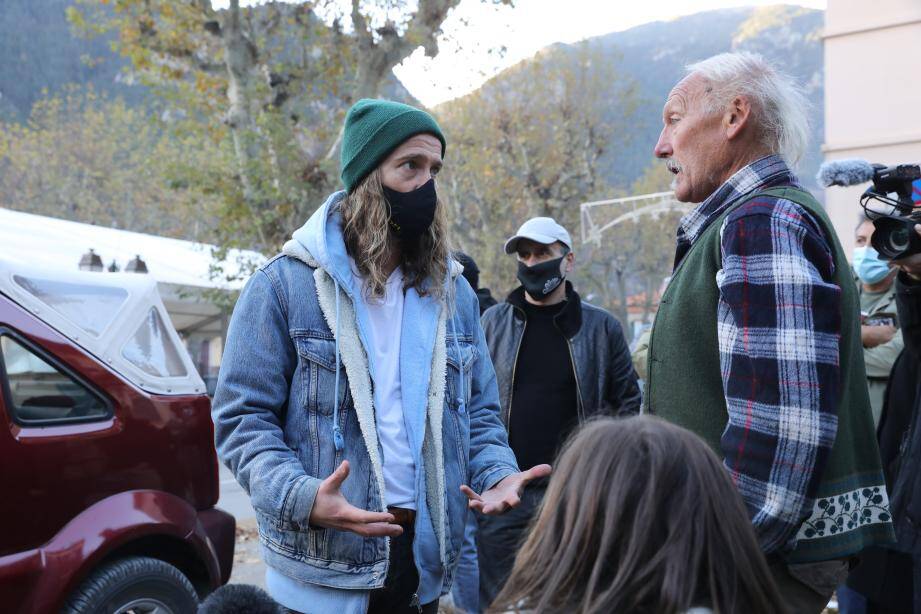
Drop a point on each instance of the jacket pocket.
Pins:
(461, 355)
(307, 541)
(317, 373)
(457, 399)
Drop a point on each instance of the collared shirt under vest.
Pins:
(756, 348)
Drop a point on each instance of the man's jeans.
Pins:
(498, 539)
(402, 581)
(850, 601)
(466, 589)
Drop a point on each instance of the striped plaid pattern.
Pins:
(779, 319)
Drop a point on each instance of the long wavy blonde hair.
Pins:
(369, 240)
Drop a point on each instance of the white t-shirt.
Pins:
(386, 317)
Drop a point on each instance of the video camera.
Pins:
(894, 236)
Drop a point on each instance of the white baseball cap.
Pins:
(540, 230)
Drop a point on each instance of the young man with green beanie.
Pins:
(356, 403)
(756, 343)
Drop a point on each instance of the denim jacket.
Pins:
(294, 399)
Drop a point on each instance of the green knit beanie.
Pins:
(373, 129)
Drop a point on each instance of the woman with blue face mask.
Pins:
(869, 267)
(879, 332)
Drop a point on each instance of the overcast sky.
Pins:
(467, 59)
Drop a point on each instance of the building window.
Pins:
(40, 394)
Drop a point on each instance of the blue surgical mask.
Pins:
(868, 266)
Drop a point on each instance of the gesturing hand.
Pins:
(332, 511)
(506, 494)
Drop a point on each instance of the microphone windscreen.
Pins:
(239, 599)
(852, 171)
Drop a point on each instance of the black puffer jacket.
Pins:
(607, 383)
(900, 427)
(884, 576)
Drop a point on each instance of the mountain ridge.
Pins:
(651, 55)
(654, 56)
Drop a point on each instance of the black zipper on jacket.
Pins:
(580, 408)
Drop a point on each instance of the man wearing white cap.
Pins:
(558, 361)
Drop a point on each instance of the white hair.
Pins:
(781, 110)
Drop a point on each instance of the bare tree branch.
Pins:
(240, 57)
(377, 58)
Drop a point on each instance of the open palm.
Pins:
(506, 494)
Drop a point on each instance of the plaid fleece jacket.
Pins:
(779, 322)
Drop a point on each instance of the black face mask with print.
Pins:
(412, 213)
(541, 279)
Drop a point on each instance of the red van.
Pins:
(109, 474)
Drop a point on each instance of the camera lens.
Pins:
(892, 236)
(899, 239)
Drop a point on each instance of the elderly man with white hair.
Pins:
(756, 345)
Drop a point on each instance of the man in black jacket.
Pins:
(890, 579)
(472, 275)
(558, 362)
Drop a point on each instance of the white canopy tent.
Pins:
(181, 270)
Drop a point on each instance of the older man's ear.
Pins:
(736, 118)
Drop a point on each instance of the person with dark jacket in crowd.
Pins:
(890, 578)
(559, 361)
(472, 274)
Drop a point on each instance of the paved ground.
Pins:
(248, 567)
(233, 499)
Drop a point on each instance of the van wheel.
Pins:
(136, 585)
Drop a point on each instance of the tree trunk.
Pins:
(239, 57)
(621, 310)
(647, 307)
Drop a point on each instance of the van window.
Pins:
(40, 393)
(90, 307)
(151, 349)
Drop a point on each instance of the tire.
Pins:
(135, 585)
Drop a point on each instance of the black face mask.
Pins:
(412, 213)
(541, 279)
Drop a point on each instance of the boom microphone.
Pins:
(239, 599)
(845, 172)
